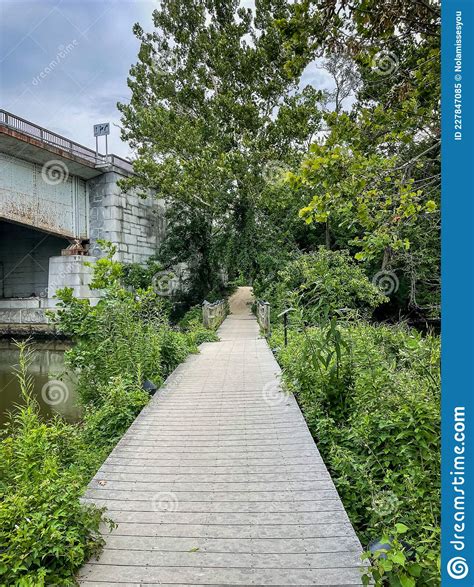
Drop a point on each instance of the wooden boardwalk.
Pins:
(219, 482)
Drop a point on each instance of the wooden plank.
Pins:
(218, 481)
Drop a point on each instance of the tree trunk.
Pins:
(387, 254)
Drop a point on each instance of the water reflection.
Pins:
(54, 393)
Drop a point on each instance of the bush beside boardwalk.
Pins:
(374, 412)
(370, 394)
(46, 534)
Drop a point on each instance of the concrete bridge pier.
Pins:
(73, 271)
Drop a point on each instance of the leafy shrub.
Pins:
(192, 324)
(140, 276)
(192, 318)
(370, 395)
(110, 339)
(175, 347)
(46, 533)
(127, 332)
(119, 405)
(320, 284)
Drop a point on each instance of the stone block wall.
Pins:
(135, 225)
(73, 271)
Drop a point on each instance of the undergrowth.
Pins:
(46, 532)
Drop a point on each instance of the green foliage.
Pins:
(367, 194)
(123, 333)
(46, 533)
(107, 271)
(224, 128)
(373, 183)
(119, 403)
(127, 332)
(370, 395)
(139, 276)
(213, 114)
(400, 565)
(320, 284)
(192, 324)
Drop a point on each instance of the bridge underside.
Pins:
(24, 260)
(32, 269)
(45, 196)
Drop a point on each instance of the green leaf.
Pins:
(414, 569)
(398, 558)
(407, 581)
(401, 528)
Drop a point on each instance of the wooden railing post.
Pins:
(205, 313)
(263, 316)
(213, 314)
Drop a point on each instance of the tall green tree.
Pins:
(214, 117)
(375, 180)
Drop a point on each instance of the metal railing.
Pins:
(55, 140)
(285, 314)
(263, 316)
(213, 314)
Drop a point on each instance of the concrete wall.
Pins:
(24, 260)
(46, 197)
(135, 225)
(73, 271)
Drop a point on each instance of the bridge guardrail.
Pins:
(213, 313)
(51, 138)
(263, 316)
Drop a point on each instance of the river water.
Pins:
(54, 393)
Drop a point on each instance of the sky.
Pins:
(64, 63)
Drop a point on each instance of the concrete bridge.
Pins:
(58, 198)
